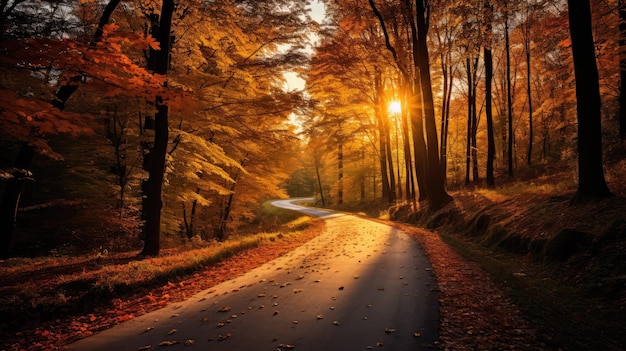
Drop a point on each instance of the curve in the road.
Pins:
(359, 285)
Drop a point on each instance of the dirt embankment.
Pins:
(563, 264)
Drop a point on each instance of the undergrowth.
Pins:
(40, 289)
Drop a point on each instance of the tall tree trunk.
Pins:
(448, 82)
(474, 150)
(622, 70)
(491, 144)
(419, 142)
(389, 157)
(363, 175)
(509, 98)
(384, 171)
(192, 216)
(319, 179)
(340, 172)
(154, 184)
(471, 157)
(11, 198)
(438, 196)
(417, 119)
(398, 167)
(591, 181)
(382, 139)
(408, 163)
(469, 122)
(529, 155)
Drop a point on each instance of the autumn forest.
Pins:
(144, 125)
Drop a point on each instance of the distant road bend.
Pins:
(359, 285)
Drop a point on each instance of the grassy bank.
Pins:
(563, 265)
(52, 292)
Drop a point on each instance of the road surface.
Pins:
(359, 285)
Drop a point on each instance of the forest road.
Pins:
(359, 285)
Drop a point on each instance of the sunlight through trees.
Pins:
(181, 127)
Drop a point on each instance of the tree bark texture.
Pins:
(591, 182)
(491, 144)
(509, 98)
(438, 196)
(622, 70)
(153, 202)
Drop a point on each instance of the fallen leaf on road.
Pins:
(224, 309)
(172, 332)
(168, 343)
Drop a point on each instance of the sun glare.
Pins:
(395, 107)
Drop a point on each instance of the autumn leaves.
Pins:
(359, 285)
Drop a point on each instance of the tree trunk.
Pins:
(319, 179)
(153, 204)
(438, 196)
(340, 173)
(491, 144)
(11, 198)
(419, 143)
(468, 138)
(474, 126)
(509, 98)
(529, 156)
(382, 140)
(591, 182)
(622, 70)
(408, 163)
(389, 157)
(448, 83)
(363, 175)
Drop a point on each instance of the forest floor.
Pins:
(500, 258)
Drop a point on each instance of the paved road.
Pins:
(360, 285)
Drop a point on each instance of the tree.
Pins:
(159, 62)
(438, 197)
(488, 57)
(622, 49)
(591, 182)
(418, 19)
(526, 33)
(509, 97)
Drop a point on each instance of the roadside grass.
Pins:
(563, 316)
(574, 304)
(39, 289)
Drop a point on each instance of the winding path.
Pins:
(359, 285)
